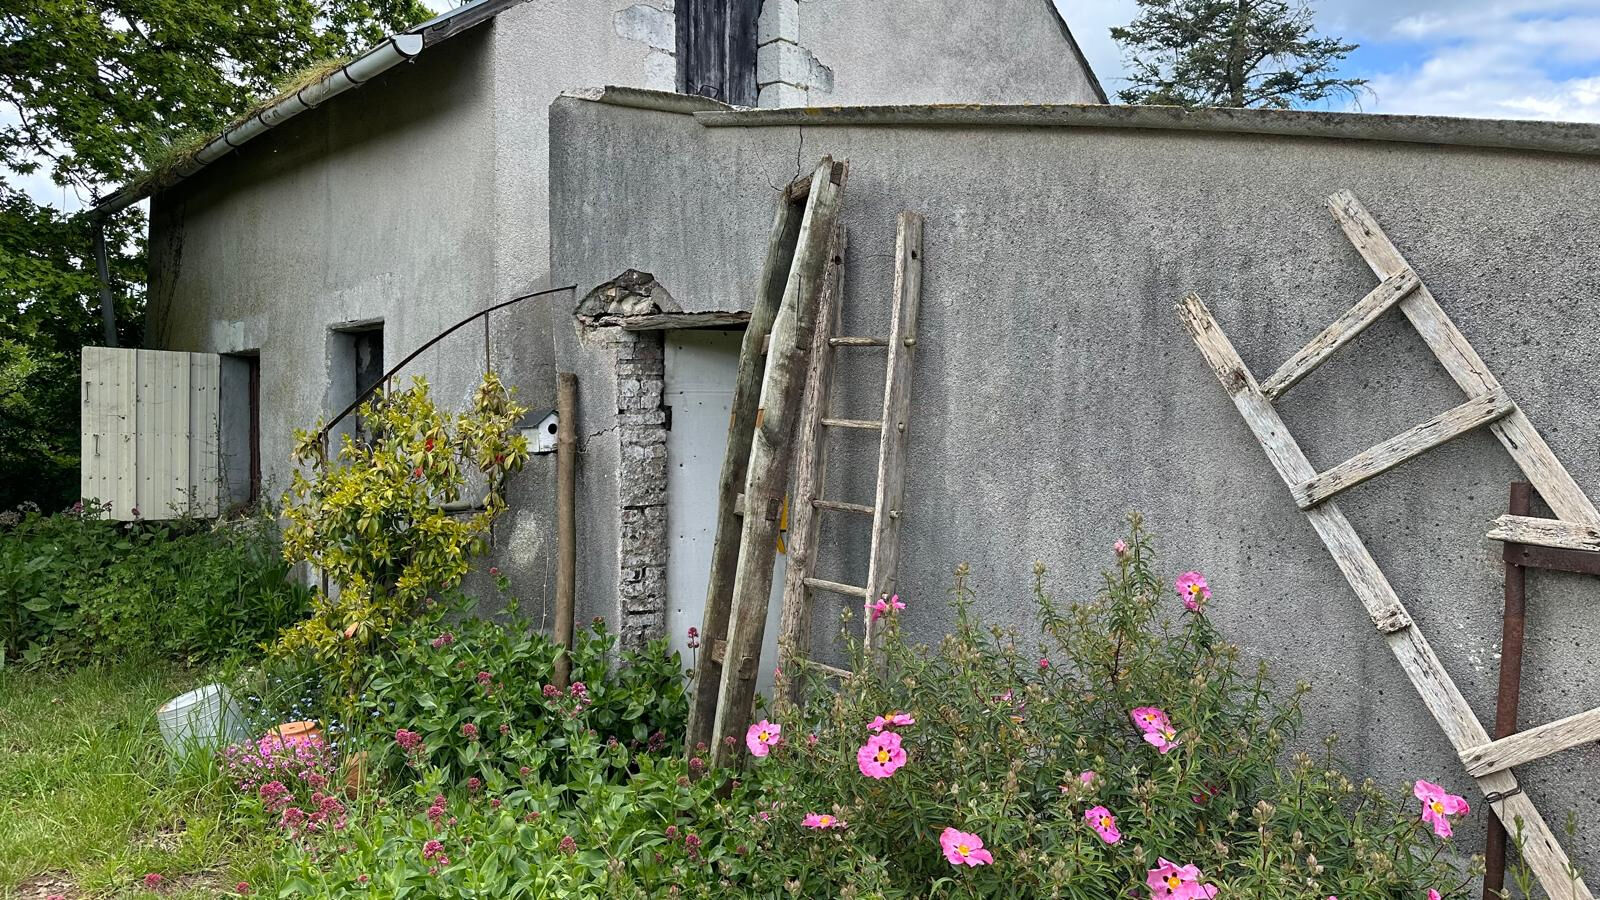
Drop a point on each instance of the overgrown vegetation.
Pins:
(78, 588)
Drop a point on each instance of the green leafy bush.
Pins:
(477, 695)
(1130, 736)
(75, 587)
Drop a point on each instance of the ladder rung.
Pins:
(858, 342)
(1475, 413)
(835, 671)
(835, 587)
(1533, 744)
(853, 423)
(841, 506)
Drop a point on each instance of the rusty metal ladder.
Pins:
(1578, 526)
(800, 582)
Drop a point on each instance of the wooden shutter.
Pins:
(149, 432)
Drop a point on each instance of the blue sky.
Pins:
(1521, 59)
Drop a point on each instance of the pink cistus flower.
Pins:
(1433, 894)
(1103, 823)
(1168, 880)
(1120, 547)
(762, 737)
(1193, 589)
(884, 605)
(821, 820)
(1438, 805)
(1088, 776)
(1158, 731)
(895, 719)
(964, 849)
(881, 756)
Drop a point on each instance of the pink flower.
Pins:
(1437, 805)
(1044, 663)
(432, 850)
(963, 849)
(884, 605)
(154, 879)
(568, 846)
(895, 718)
(1433, 894)
(821, 820)
(762, 737)
(1088, 776)
(1167, 880)
(1103, 823)
(1193, 589)
(242, 888)
(1120, 546)
(485, 678)
(1158, 731)
(881, 756)
(469, 731)
(408, 740)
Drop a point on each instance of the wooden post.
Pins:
(735, 462)
(566, 517)
(771, 453)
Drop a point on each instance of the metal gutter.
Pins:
(1578, 138)
(376, 60)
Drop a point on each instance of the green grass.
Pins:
(90, 802)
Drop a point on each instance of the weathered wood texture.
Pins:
(1535, 743)
(884, 556)
(566, 519)
(810, 464)
(664, 321)
(771, 452)
(742, 419)
(1463, 364)
(1546, 533)
(1433, 684)
(1343, 329)
(1452, 423)
(716, 49)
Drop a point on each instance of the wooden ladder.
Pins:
(797, 277)
(800, 581)
(1488, 761)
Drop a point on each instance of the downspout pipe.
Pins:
(381, 58)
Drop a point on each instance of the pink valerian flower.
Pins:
(884, 605)
(153, 881)
(1438, 806)
(433, 851)
(484, 678)
(964, 849)
(694, 637)
(762, 737)
(896, 719)
(443, 640)
(1103, 823)
(408, 740)
(821, 820)
(469, 731)
(1193, 589)
(568, 845)
(881, 756)
(474, 784)
(1169, 880)
(1157, 728)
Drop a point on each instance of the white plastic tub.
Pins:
(204, 717)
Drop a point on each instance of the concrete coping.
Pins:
(1580, 138)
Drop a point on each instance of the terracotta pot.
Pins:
(303, 730)
(355, 775)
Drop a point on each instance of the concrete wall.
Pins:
(862, 52)
(1054, 389)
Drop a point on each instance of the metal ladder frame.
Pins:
(1488, 761)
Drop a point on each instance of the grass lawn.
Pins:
(90, 803)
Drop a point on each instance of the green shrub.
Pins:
(477, 694)
(75, 587)
(1004, 731)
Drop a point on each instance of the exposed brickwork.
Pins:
(641, 486)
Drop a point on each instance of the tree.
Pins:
(1238, 53)
(92, 93)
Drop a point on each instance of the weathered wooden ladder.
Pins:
(799, 276)
(800, 583)
(1489, 761)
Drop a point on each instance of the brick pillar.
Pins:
(642, 486)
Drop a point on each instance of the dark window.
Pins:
(355, 355)
(240, 428)
(717, 49)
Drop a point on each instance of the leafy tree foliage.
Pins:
(93, 92)
(1237, 53)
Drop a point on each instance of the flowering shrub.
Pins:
(1130, 754)
(473, 696)
(288, 780)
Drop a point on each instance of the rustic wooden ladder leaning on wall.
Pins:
(1489, 761)
(800, 583)
(796, 280)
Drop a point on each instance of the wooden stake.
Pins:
(566, 518)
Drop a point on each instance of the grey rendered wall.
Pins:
(1054, 389)
(415, 200)
(866, 52)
